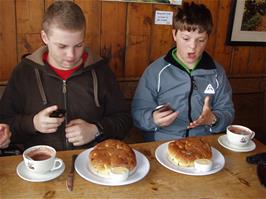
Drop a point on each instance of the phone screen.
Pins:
(58, 113)
(164, 107)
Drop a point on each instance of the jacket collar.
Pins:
(37, 57)
(206, 62)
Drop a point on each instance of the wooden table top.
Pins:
(237, 179)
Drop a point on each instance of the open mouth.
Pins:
(191, 55)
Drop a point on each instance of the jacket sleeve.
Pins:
(117, 120)
(222, 104)
(12, 105)
(145, 101)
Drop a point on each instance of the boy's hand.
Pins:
(164, 118)
(5, 135)
(46, 124)
(80, 132)
(206, 117)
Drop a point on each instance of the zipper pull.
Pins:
(64, 87)
(194, 85)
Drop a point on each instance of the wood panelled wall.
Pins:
(126, 34)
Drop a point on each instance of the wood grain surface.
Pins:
(237, 179)
(123, 32)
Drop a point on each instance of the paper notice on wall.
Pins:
(163, 17)
(176, 2)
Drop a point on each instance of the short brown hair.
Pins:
(65, 15)
(193, 17)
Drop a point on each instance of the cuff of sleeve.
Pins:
(27, 124)
(214, 120)
(100, 134)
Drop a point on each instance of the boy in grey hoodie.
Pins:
(62, 95)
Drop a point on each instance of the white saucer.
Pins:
(27, 175)
(225, 143)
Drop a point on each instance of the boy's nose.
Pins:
(70, 53)
(192, 44)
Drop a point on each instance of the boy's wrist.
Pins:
(99, 132)
(214, 120)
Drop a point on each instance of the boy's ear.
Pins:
(44, 37)
(174, 34)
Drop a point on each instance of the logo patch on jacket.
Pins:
(209, 89)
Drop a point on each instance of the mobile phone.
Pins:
(163, 107)
(255, 159)
(58, 113)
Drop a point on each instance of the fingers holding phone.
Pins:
(58, 113)
(48, 119)
(163, 108)
(164, 115)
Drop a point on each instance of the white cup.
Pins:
(238, 135)
(41, 159)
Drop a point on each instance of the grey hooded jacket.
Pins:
(166, 81)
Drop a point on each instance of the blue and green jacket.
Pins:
(166, 80)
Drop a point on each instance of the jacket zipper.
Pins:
(192, 82)
(64, 91)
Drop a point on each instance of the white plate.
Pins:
(27, 175)
(81, 166)
(161, 155)
(225, 143)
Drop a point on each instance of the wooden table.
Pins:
(237, 179)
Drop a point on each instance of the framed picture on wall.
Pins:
(175, 2)
(247, 23)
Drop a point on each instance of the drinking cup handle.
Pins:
(57, 164)
(252, 134)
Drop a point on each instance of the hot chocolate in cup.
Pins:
(239, 135)
(41, 159)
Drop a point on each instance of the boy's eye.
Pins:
(201, 40)
(79, 45)
(61, 46)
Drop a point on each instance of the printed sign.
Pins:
(163, 17)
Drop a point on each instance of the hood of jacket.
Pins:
(37, 57)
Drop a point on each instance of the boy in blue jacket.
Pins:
(186, 92)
